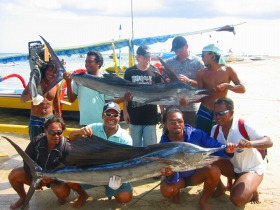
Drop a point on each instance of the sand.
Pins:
(260, 103)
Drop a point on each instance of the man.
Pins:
(42, 112)
(176, 131)
(217, 77)
(110, 130)
(88, 98)
(186, 66)
(142, 118)
(246, 166)
(46, 150)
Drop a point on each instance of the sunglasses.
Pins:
(109, 115)
(221, 113)
(54, 132)
(174, 122)
(205, 53)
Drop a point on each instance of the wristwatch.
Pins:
(189, 82)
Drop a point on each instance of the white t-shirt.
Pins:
(244, 159)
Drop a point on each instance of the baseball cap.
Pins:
(178, 43)
(145, 51)
(111, 105)
(214, 48)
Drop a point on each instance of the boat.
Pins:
(112, 56)
(256, 58)
(10, 101)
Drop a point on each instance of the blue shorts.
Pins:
(36, 125)
(204, 119)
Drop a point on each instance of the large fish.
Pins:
(160, 93)
(36, 52)
(59, 67)
(140, 163)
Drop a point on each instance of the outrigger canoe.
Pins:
(10, 101)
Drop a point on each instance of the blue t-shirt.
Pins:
(197, 137)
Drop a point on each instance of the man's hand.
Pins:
(127, 96)
(85, 131)
(67, 76)
(166, 171)
(230, 148)
(115, 182)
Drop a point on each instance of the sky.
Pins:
(67, 23)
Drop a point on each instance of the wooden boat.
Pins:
(10, 101)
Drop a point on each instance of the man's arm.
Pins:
(25, 96)
(83, 132)
(67, 76)
(56, 102)
(238, 86)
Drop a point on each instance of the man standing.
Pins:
(217, 77)
(88, 98)
(42, 112)
(142, 118)
(186, 66)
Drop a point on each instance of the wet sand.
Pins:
(260, 104)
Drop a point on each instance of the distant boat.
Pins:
(257, 58)
(8, 64)
(233, 58)
(112, 56)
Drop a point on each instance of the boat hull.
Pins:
(10, 102)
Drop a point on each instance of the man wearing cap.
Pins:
(111, 131)
(217, 77)
(186, 66)
(142, 118)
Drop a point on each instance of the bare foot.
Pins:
(204, 206)
(62, 201)
(81, 200)
(17, 204)
(176, 198)
(220, 190)
(255, 198)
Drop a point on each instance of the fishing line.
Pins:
(161, 182)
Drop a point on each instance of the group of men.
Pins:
(96, 117)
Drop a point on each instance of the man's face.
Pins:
(221, 114)
(183, 52)
(50, 74)
(91, 65)
(175, 123)
(111, 118)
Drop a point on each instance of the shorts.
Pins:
(109, 192)
(204, 119)
(36, 125)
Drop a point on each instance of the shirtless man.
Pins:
(217, 77)
(42, 112)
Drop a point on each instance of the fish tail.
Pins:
(34, 167)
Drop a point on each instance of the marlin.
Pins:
(159, 94)
(36, 64)
(140, 163)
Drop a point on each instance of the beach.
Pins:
(260, 104)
